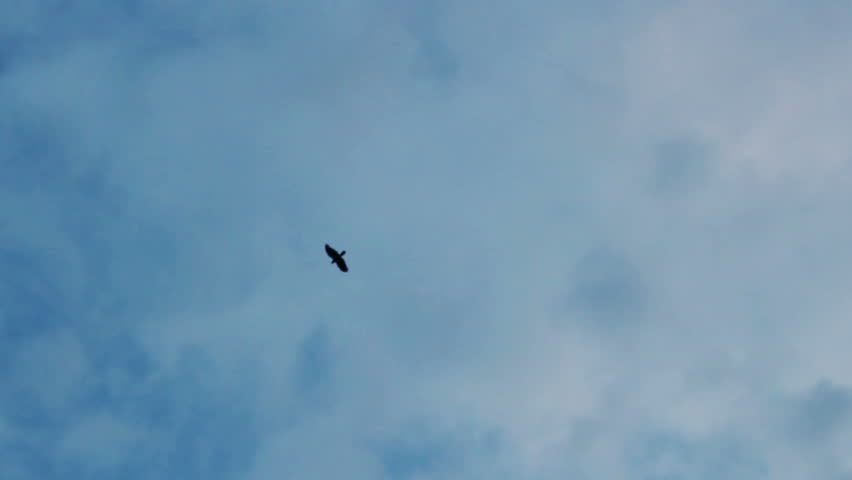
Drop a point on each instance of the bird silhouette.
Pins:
(337, 258)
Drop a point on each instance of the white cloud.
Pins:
(755, 78)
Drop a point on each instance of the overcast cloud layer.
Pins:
(587, 239)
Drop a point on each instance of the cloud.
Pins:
(608, 288)
(749, 78)
(683, 165)
(824, 410)
(514, 184)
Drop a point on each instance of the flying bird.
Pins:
(337, 258)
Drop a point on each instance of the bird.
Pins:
(337, 258)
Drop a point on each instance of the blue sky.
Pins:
(586, 239)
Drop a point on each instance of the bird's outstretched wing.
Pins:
(341, 264)
(331, 252)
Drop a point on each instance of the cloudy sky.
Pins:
(587, 239)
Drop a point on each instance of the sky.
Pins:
(586, 239)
